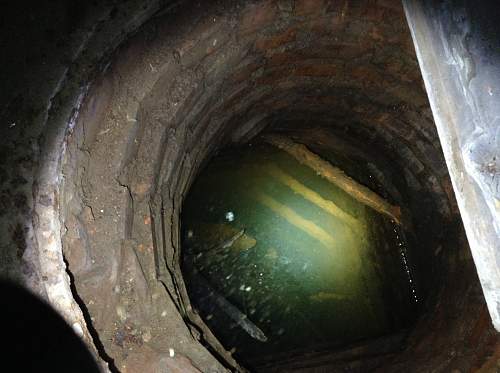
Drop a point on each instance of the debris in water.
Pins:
(223, 236)
(290, 215)
(229, 216)
(232, 311)
(230, 242)
(321, 296)
(336, 176)
(311, 195)
(272, 253)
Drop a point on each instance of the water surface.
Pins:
(307, 264)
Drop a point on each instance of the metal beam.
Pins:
(458, 49)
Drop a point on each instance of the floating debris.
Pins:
(272, 253)
(295, 219)
(322, 296)
(312, 196)
(230, 242)
(223, 236)
(232, 311)
(336, 176)
(229, 216)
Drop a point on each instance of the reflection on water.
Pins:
(276, 258)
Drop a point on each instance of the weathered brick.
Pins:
(314, 69)
(271, 77)
(308, 7)
(282, 58)
(341, 50)
(368, 76)
(276, 41)
(329, 24)
(258, 16)
(373, 12)
(376, 34)
(394, 5)
(245, 72)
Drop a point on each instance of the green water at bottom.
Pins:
(313, 266)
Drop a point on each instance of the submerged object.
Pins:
(310, 195)
(245, 242)
(240, 318)
(232, 311)
(230, 242)
(336, 176)
(229, 216)
(325, 296)
(223, 236)
(307, 226)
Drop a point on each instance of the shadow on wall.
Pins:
(36, 338)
